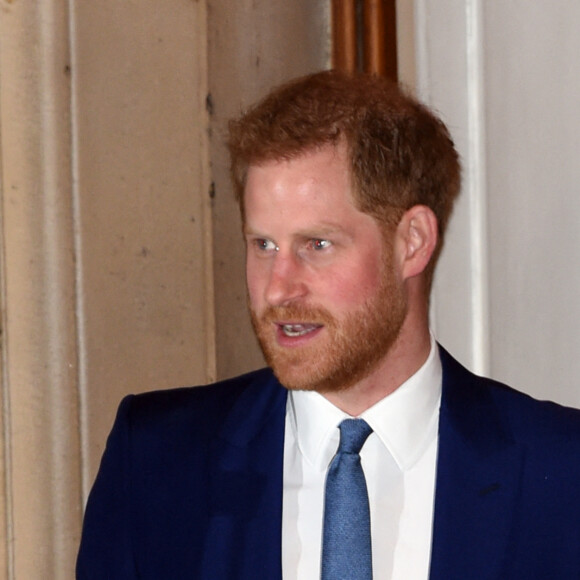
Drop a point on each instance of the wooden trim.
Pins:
(390, 39)
(376, 32)
(373, 37)
(380, 37)
(344, 35)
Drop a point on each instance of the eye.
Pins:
(265, 245)
(320, 244)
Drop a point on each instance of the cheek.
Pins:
(255, 282)
(353, 286)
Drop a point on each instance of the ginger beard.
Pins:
(351, 348)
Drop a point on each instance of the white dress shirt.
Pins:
(399, 461)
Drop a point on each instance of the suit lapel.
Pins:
(477, 482)
(243, 539)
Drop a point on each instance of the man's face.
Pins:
(325, 297)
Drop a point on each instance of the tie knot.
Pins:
(353, 434)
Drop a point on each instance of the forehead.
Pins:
(306, 195)
(311, 177)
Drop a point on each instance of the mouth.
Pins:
(296, 330)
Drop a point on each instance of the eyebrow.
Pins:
(310, 232)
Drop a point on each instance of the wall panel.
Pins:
(532, 93)
(504, 77)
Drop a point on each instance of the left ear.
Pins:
(416, 240)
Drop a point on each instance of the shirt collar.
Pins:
(405, 421)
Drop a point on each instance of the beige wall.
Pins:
(252, 46)
(110, 239)
(141, 196)
(121, 265)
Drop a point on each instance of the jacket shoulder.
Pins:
(481, 400)
(203, 406)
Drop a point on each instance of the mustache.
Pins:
(297, 313)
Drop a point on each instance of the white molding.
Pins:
(476, 187)
(422, 50)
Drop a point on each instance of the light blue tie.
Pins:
(346, 539)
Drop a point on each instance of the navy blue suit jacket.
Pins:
(190, 485)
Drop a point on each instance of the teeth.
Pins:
(293, 330)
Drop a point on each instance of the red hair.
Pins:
(400, 153)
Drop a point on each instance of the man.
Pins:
(345, 185)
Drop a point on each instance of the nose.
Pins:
(287, 282)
